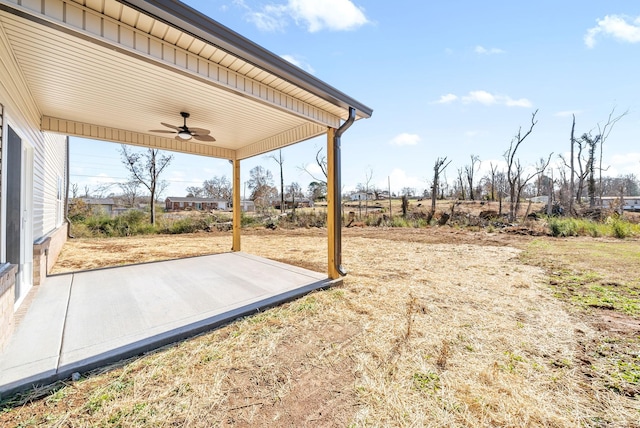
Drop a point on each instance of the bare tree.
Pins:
(261, 185)
(470, 171)
(460, 181)
(515, 171)
(280, 160)
(317, 190)
(321, 161)
(494, 171)
(194, 191)
(592, 143)
(74, 190)
(102, 190)
(129, 192)
(218, 187)
(438, 168)
(572, 169)
(603, 132)
(294, 192)
(145, 168)
(540, 180)
(162, 186)
(365, 188)
(501, 188)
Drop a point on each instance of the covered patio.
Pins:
(119, 71)
(158, 74)
(83, 320)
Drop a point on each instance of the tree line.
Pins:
(576, 183)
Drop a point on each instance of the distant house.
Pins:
(383, 194)
(176, 203)
(630, 203)
(362, 196)
(100, 205)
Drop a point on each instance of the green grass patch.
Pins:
(591, 274)
(613, 226)
(426, 381)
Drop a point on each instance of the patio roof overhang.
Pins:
(113, 70)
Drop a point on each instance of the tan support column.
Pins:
(332, 200)
(237, 207)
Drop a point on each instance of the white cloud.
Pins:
(399, 179)
(334, 15)
(480, 50)
(299, 63)
(471, 134)
(405, 139)
(622, 164)
(482, 97)
(485, 98)
(522, 102)
(446, 99)
(270, 18)
(621, 28)
(337, 15)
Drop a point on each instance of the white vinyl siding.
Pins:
(22, 114)
(48, 168)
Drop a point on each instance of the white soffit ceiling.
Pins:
(103, 64)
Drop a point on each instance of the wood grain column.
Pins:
(237, 206)
(333, 204)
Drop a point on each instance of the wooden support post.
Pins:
(333, 204)
(237, 206)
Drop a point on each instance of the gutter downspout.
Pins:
(66, 197)
(337, 186)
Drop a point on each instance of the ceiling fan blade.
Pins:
(170, 126)
(204, 137)
(199, 131)
(162, 131)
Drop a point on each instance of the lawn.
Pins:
(432, 327)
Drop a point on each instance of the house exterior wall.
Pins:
(47, 193)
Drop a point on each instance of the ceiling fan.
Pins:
(184, 133)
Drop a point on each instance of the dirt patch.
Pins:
(619, 323)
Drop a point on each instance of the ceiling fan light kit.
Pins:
(183, 133)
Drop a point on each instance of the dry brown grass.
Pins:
(427, 330)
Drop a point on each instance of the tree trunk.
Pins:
(571, 187)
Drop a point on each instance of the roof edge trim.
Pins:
(185, 18)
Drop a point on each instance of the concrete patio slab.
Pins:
(84, 320)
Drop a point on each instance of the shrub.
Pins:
(563, 227)
(619, 228)
(398, 221)
(184, 225)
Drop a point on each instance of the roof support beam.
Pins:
(237, 206)
(95, 132)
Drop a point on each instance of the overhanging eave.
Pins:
(97, 132)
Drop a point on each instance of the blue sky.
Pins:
(451, 79)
